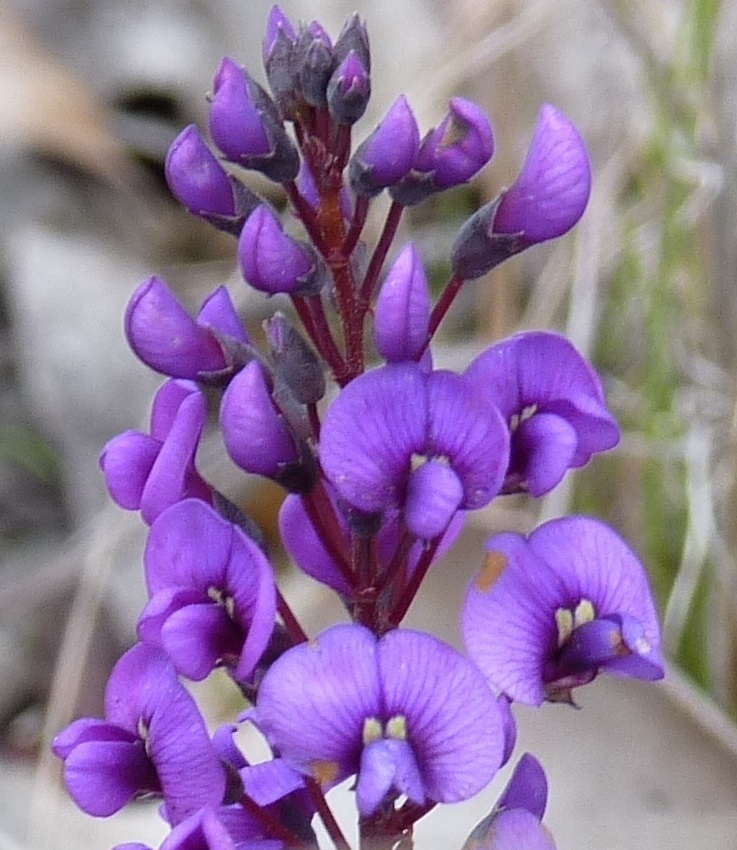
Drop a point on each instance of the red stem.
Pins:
(359, 219)
(393, 217)
(447, 296)
(296, 632)
(399, 611)
(273, 827)
(326, 815)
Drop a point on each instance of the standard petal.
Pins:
(188, 547)
(371, 431)
(453, 721)
(508, 619)
(314, 699)
(515, 829)
(594, 563)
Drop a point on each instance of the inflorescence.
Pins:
(381, 456)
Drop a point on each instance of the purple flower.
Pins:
(314, 556)
(515, 821)
(271, 261)
(402, 312)
(153, 741)
(551, 192)
(548, 613)
(547, 199)
(428, 444)
(554, 405)
(150, 472)
(449, 155)
(196, 178)
(388, 154)
(212, 593)
(255, 434)
(166, 338)
(246, 126)
(458, 147)
(407, 713)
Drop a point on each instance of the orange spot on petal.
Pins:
(324, 771)
(494, 564)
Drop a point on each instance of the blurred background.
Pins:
(91, 94)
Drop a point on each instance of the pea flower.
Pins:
(549, 612)
(166, 338)
(271, 261)
(449, 155)
(554, 405)
(388, 154)
(153, 741)
(427, 444)
(245, 124)
(212, 593)
(150, 472)
(407, 713)
(546, 200)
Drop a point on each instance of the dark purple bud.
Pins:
(278, 26)
(254, 432)
(296, 364)
(316, 63)
(353, 37)
(272, 261)
(402, 312)
(349, 90)
(281, 61)
(388, 154)
(196, 178)
(551, 192)
(245, 125)
(477, 249)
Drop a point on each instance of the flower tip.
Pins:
(551, 192)
(196, 178)
(277, 25)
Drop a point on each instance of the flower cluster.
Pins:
(380, 460)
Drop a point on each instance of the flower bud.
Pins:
(254, 432)
(551, 192)
(246, 126)
(349, 90)
(388, 154)
(196, 178)
(272, 261)
(296, 364)
(545, 201)
(165, 337)
(402, 312)
(281, 63)
(450, 154)
(316, 63)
